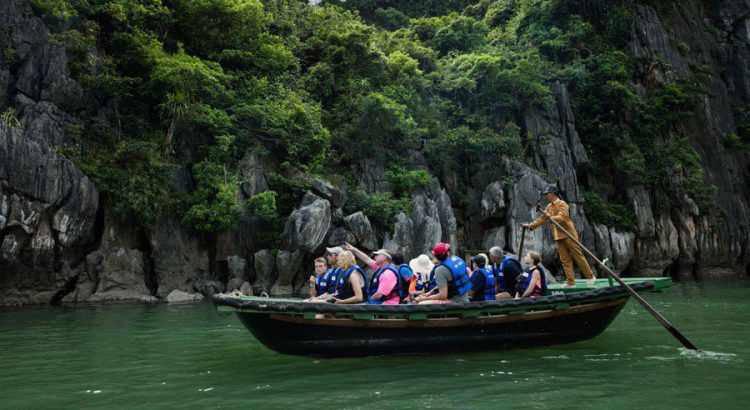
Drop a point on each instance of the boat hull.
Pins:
(345, 337)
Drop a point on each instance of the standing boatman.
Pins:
(559, 211)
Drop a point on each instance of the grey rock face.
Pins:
(493, 201)
(253, 174)
(180, 262)
(339, 236)
(494, 237)
(288, 264)
(237, 267)
(265, 269)
(120, 275)
(431, 221)
(358, 224)
(325, 189)
(307, 226)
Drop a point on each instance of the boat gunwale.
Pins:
(363, 311)
(446, 321)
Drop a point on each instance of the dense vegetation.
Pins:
(200, 82)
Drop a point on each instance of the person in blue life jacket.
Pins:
(351, 283)
(385, 285)
(424, 270)
(533, 282)
(318, 278)
(482, 281)
(451, 277)
(327, 282)
(408, 277)
(506, 270)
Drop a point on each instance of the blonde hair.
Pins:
(486, 259)
(345, 260)
(535, 256)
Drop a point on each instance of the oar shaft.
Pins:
(520, 246)
(661, 319)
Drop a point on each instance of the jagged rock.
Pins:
(359, 225)
(402, 239)
(264, 269)
(371, 175)
(236, 267)
(179, 260)
(119, 273)
(253, 174)
(246, 289)
(24, 213)
(150, 300)
(493, 201)
(603, 242)
(209, 288)
(640, 203)
(234, 284)
(339, 236)
(177, 296)
(288, 264)
(622, 248)
(4, 208)
(307, 226)
(337, 217)
(325, 189)
(494, 237)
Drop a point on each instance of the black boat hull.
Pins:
(342, 337)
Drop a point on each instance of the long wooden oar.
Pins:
(664, 322)
(520, 247)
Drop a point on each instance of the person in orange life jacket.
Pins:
(452, 280)
(423, 267)
(482, 281)
(351, 284)
(321, 267)
(385, 283)
(505, 268)
(559, 211)
(532, 283)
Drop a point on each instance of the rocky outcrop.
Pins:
(265, 270)
(360, 226)
(431, 221)
(288, 265)
(180, 260)
(307, 226)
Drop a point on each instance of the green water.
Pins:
(187, 356)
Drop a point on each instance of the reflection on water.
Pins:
(131, 355)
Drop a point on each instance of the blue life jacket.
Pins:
(344, 288)
(406, 275)
(461, 282)
(489, 285)
(326, 283)
(526, 280)
(506, 283)
(376, 281)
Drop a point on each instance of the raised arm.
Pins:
(359, 254)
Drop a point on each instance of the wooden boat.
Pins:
(568, 315)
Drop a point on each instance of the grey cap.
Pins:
(550, 189)
(335, 250)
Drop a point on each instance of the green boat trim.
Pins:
(660, 284)
(562, 300)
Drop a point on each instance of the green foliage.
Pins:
(380, 207)
(212, 205)
(10, 57)
(54, 10)
(263, 206)
(10, 117)
(612, 215)
(403, 181)
(132, 177)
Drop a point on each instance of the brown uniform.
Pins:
(568, 250)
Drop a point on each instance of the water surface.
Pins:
(188, 356)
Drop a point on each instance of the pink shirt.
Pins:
(386, 282)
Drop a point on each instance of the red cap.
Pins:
(441, 249)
